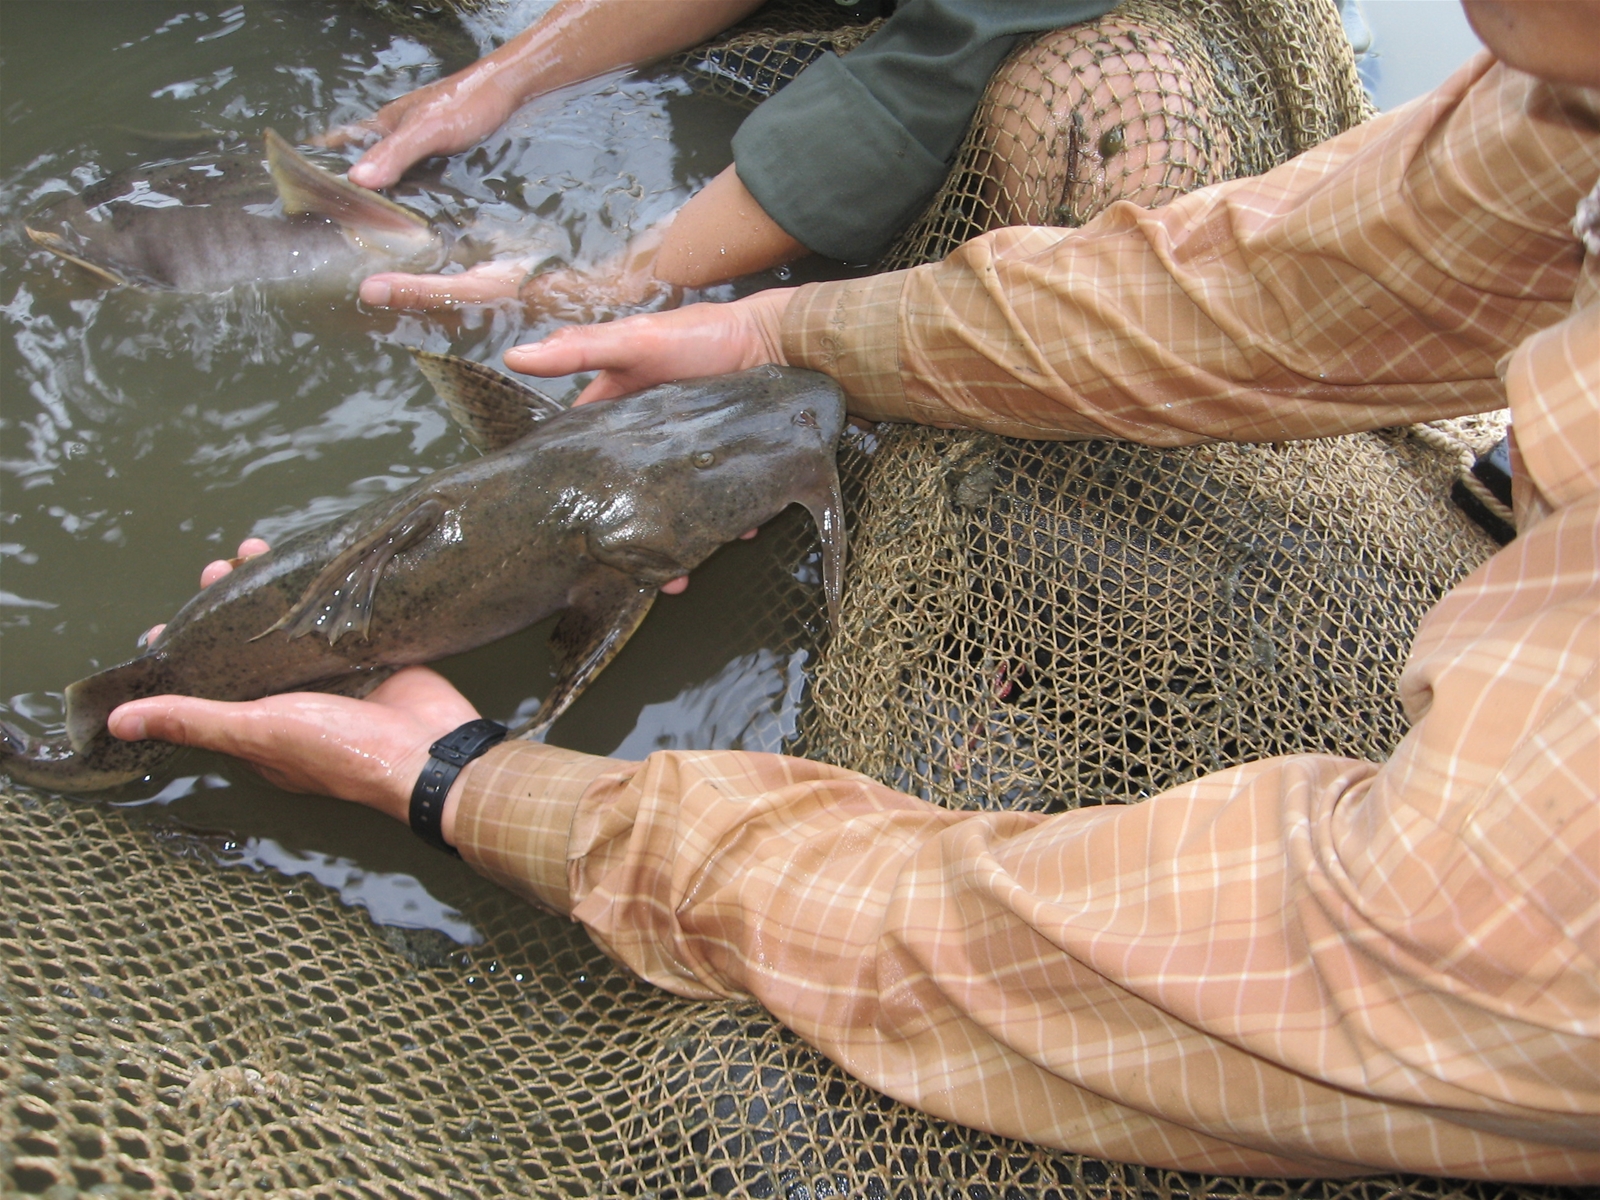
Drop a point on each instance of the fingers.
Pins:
(213, 571)
(382, 166)
(675, 587)
(638, 352)
(383, 163)
(441, 118)
(480, 285)
(182, 720)
(340, 136)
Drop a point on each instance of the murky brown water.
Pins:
(142, 436)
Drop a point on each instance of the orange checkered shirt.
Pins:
(1304, 965)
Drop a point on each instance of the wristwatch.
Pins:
(446, 758)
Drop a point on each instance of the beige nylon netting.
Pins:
(1026, 624)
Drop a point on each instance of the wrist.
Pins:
(452, 803)
(440, 777)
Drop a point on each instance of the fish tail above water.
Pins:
(89, 758)
(373, 221)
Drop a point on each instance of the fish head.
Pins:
(695, 464)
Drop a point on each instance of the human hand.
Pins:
(212, 572)
(639, 352)
(625, 281)
(443, 117)
(369, 751)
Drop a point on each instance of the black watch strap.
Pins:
(446, 757)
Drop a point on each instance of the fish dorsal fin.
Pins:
(371, 219)
(492, 408)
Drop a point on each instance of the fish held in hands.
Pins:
(584, 511)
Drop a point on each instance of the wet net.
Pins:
(1026, 624)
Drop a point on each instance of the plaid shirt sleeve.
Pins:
(1375, 280)
(1304, 965)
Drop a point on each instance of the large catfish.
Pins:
(587, 510)
(210, 223)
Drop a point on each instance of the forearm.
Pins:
(1374, 281)
(1048, 978)
(721, 233)
(579, 39)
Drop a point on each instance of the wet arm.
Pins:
(576, 40)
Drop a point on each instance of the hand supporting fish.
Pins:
(585, 511)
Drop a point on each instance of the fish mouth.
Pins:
(57, 245)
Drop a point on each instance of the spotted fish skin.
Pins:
(584, 511)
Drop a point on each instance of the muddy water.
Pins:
(141, 436)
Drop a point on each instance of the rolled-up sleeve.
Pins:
(851, 151)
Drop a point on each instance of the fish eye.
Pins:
(806, 419)
(704, 458)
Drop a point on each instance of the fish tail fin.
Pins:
(371, 219)
(32, 761)
(89, 758)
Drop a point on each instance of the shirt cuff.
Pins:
(515, 814)
(850, 329)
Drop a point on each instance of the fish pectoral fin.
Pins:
(606, 607)
(57, 245)
(339, 599)
(492, 408)
(371, 219)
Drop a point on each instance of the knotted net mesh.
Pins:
(1026, 625)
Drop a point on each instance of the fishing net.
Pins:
(1026, 625)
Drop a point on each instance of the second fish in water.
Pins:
(211, 223)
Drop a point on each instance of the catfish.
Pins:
(584, 511)
(212, 222)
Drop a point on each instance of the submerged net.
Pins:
(1026, 625)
